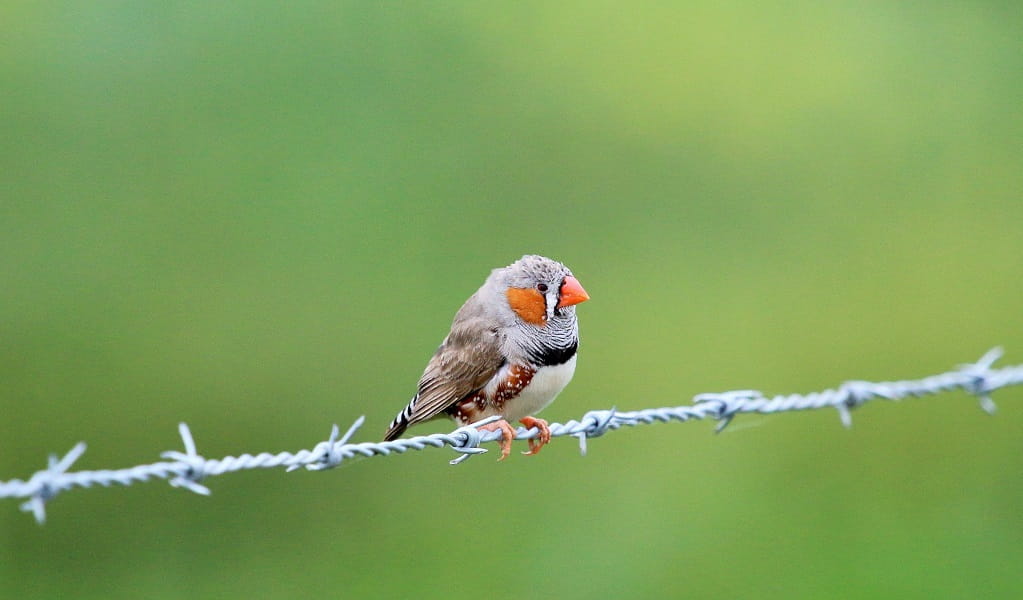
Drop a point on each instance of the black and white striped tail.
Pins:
(401, 422)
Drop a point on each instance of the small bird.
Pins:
(511, 350)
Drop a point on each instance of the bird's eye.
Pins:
(541, 287)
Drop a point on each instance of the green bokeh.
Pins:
(259, 219)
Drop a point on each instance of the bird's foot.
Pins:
(507, 435)
(540, 440)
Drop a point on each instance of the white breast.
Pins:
(545, 386)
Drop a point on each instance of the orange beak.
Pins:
(572, 293)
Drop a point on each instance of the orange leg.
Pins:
(539, 441)
(507, 435)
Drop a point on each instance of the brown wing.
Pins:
(463, 364)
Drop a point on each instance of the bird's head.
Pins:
(538, 289)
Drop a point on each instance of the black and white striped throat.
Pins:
(549, 356)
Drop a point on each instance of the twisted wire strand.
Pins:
(188, 469)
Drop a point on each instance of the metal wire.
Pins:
(189, 468)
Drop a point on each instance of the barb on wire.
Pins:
(189, 468)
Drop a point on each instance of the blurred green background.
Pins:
(259, 218)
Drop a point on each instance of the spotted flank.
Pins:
(491, 400)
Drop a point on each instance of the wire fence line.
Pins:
(188, 469)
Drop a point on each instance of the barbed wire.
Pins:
(188, 469)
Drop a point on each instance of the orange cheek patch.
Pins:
(528, 304)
